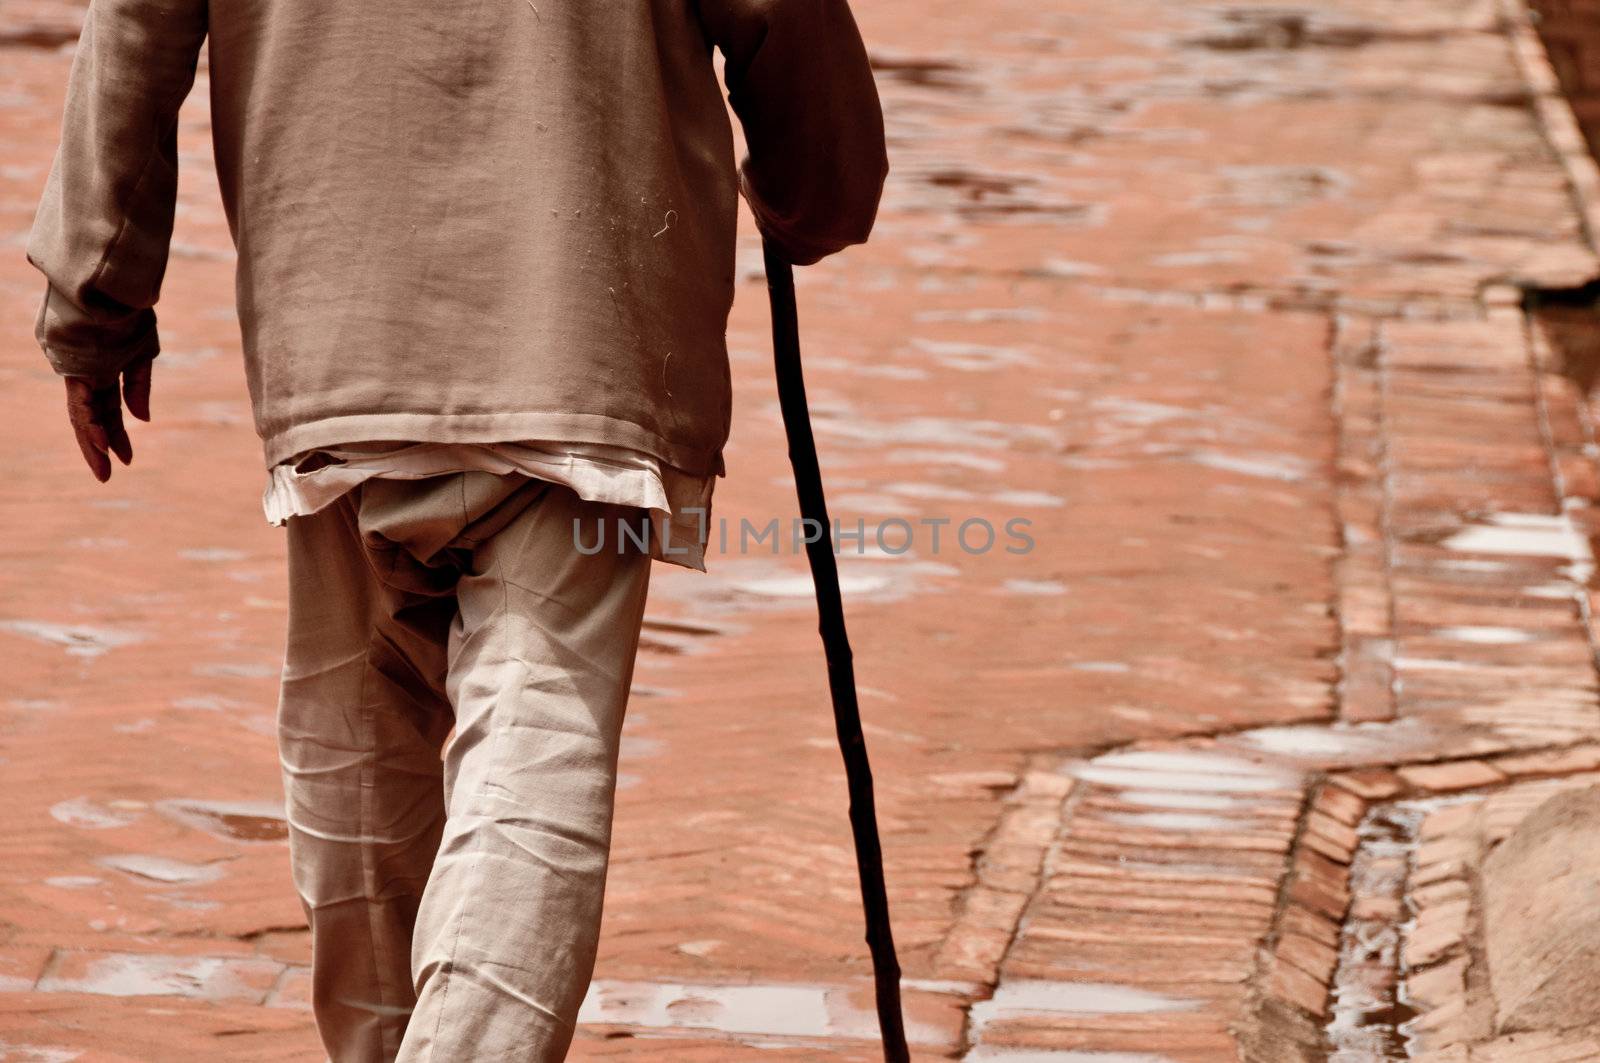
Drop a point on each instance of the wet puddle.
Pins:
(795, 1011)
(1338, 743)
(1282, 467)
(879, 506)
(1139, 413)
(72, 882)
(922, 72)
(160, 869)
(1034, 588)
(858, 427)
(26, 1053)
(741, 585)
(1485, 636)
(1527, 535)
(1147, 770)
(82, 812)
(237, 670)
(800, 586)
(79, 641)
(677, 635)
(1173, 821)
(1180, 800)
(205, 703)
(1368, 1017)
(1076, 998)
(138, 974)
(212, 554)
(47, 38)
(989, 197)
(245, 821)
(929, 491)
(1275, 29)
(1038, 499)
(1041, 998)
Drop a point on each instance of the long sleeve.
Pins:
(799, 81)
(104, 225)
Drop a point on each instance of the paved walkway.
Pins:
(1223, 300)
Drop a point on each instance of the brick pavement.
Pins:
(1312, 505)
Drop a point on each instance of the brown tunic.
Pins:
(461, 222)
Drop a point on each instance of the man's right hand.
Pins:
(95, 413)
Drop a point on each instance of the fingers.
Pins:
(108, 416)
(96, 416)
(136, 388)
(91, 437)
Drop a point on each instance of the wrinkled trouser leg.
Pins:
(361, 720)
(541, 658)
(410, 598)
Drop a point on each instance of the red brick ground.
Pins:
(1214, 297)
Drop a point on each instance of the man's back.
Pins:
(458, 223)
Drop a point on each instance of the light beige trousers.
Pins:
(454, 900)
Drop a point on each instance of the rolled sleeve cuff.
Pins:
(79, 347)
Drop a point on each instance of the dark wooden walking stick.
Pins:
(836, 646)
